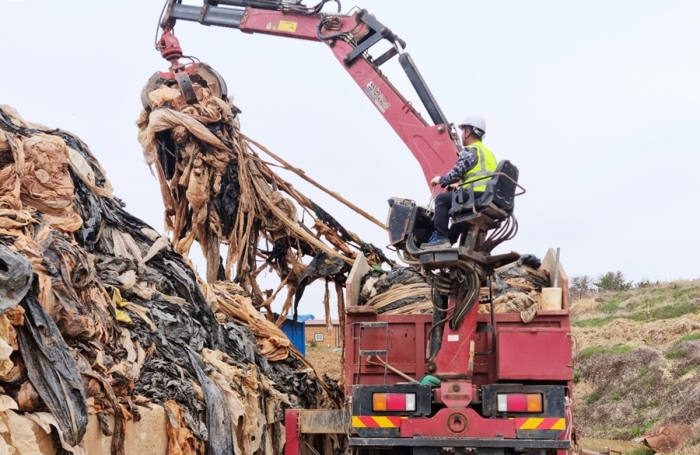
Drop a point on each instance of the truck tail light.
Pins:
(520, 402)
(394, 402)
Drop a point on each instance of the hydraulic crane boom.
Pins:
(350, 38)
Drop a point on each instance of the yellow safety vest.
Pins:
(485, 165)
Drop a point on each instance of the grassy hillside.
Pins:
(638, 360)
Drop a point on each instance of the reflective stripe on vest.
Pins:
(485, 166)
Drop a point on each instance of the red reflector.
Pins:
(395, 402)
(517, 403)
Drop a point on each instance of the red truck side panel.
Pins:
(534, 354)
(406, 340)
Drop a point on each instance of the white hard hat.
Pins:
(475, 121)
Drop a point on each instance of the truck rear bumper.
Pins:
(541, 444)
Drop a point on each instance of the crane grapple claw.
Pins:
(190, 80)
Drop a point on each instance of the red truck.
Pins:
(457, 381)
(503, 387)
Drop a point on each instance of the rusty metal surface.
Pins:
(324, 422)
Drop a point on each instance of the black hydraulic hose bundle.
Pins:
(468, 284)
(464, 282)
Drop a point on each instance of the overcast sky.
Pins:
(597, 103)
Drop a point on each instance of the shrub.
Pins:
(613, 281)
(645, 283)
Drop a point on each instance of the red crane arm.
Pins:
(349, 37)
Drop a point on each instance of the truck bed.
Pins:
(512, 352)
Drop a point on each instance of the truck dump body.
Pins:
(539, 350)
(387, 354)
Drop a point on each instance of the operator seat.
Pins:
(477, 215)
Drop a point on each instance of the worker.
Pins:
(474, 162)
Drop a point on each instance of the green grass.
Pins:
(609, 307)
(641, 429)
(642, 451)
(645, 305)
(638, 317)
(643, 372)
(665, 312)
(675, 354)
(651, 301)
(616, 396)
(595, 396)
(690, 293)
(593, 350)
(676, 310)
(691, 337)
(593, 322)
(683, 371)
(650, 405)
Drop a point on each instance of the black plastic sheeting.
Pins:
(52, 370)
(530, 260)
(522, 270)
(227, 200)
(321, 266)
(396, 276)
(220, 440)
(15, 277)
(331, 222)
(366, 248)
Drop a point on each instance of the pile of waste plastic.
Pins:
(404, 290)
(218, 191)
(102, 316)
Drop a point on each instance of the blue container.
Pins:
(296, 332)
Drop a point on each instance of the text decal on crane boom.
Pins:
(377, 96)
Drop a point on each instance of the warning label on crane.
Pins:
(287, 26)
(377, 96)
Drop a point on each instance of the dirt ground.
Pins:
(603, 445)
(325, 361)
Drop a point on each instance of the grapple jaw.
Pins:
(190, 80)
